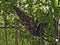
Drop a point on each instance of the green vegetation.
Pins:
(14, 32)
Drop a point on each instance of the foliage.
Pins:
(39, 10)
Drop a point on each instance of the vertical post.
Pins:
(5, 26)
(30, 11)
(59, 36)
(41, 28)
(55, 31)
(59, 32)
(6, 35)
(16, 37)
(41, 41)
(16, 31)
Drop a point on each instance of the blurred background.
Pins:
(14, 32)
